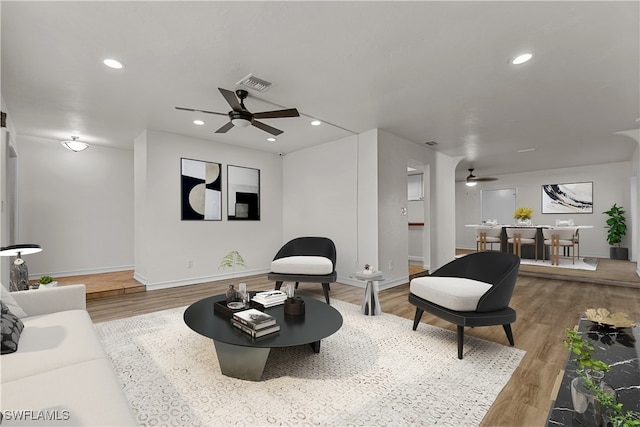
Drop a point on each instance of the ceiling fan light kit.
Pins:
(240, 117)
(472, 180)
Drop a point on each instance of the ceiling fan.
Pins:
(241, 117)
(473, 180)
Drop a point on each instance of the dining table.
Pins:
(527, 250)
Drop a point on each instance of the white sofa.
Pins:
(60, 374)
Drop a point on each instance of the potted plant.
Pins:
(589, 388)
(231, 260)
(47, 282)
(617, 230)
(523, 215)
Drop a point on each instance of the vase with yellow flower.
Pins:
(523, 216)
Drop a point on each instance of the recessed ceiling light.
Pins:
(271, 139)
(521, 59)
(112, 63)
(316, 123)
(198, 122)
(526, 150)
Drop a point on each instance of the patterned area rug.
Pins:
(373, 371)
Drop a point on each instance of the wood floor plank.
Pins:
(545, 308)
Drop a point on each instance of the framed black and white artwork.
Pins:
(201, 190)
(572, 198)
(243, 193)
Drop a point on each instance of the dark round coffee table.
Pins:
(241, 356)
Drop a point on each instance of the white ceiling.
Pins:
(420, 70)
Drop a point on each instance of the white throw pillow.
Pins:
(454, 293)
(311, 265)
(8, 299)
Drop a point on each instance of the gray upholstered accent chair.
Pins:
(305, 259)
(474, 290)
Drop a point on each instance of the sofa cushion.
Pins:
(86, 394)
(10, 327)
(8, 299)
(52, 341)
(312, 265)
(454, 293)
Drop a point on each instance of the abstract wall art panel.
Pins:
(571, 198)
(201, 195)
(243, 193)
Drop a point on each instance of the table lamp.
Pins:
(19, 274)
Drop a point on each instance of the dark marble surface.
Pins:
(618, 348)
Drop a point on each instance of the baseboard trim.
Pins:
(202, 279)
(34, 276)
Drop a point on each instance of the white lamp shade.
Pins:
(74, 145)
(241, 123)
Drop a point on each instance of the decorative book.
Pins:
(255, 333)
(254, 319)
(270, 298)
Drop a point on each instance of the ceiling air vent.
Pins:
(252, 82)
(431, 143)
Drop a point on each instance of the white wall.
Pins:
(165, 244)
(77, 206)
(321, 199)
(610, 185)
(395, 154)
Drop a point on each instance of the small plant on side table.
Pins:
(583, 357)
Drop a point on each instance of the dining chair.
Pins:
(557, 237)
(488, 235)
(519, 236)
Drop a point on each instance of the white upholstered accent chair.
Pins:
(471, 291)
(519, 236)
(488, 235)
(556, 238)
(305, 259)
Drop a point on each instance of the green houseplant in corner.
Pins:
(617, 230)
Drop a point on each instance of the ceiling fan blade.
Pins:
(291, 112)
(225, 128)
(273, 131)
(231, 99)
(486, 179)
(200, 111)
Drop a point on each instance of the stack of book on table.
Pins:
(270, 298)
(255, 322)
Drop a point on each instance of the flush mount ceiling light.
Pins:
(113, 63)
(74, 145)
(198, 122)
(316, 123)
(521, 59)
(271, 139)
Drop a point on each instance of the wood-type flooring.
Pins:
(546, 306)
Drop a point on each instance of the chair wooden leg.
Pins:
(507, 330)
(460, 340)
(417, 317)
(325, 288)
